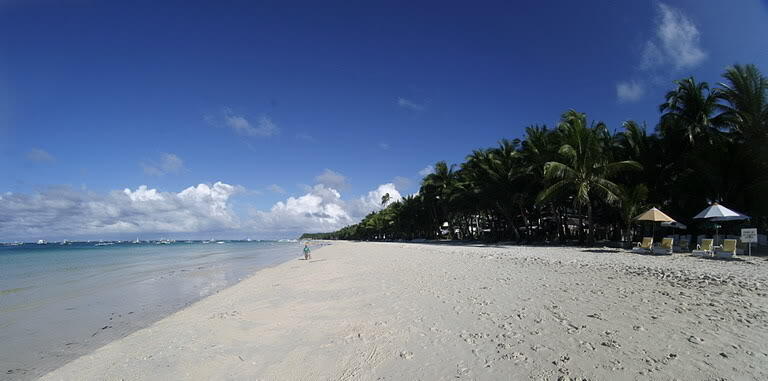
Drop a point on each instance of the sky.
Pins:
(266, 119)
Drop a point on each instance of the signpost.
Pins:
(749, 236)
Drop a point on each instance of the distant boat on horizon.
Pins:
(42, 242)
(137, 240)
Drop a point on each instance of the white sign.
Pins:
(749, 235)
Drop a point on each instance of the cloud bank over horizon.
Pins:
(197, 211)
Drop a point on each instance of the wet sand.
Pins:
(418, 311)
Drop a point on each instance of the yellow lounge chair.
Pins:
(683, 246)
(728, 250)
(704, 249)
(665, 247)
(645, 246)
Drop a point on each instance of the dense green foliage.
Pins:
(579, 181)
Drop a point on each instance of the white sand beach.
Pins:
(395, 311)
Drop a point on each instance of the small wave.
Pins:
(14, 290)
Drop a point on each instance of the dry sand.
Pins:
(395, 311)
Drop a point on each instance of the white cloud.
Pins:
(427, 170)
(197, 211)
(66, 212)
(384, 146)
(263, 127)
(402, 182)
(371, 202)
(168, 163)
(651, 57)
(677, 41)
(332, 179)
(276, 188)
(411, 105)
(39, 155)
(629, 91)
(305, 137)
(675, 45)
(320, 210)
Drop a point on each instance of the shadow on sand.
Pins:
(600, 251)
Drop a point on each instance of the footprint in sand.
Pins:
(407, 355)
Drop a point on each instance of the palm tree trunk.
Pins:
(591, 234)
(510, 220)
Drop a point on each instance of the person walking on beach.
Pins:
(307, 255)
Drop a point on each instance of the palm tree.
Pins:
(439, 187)
(689, 112)
(745, 111)
(746, 101)
(385, 199)
(632, 201)
(584, 166)
(496, 175)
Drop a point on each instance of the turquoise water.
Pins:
(58, 302)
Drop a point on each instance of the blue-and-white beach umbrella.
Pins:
(717, 212)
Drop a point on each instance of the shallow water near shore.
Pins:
(60, 302)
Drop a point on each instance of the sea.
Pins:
(61, 301)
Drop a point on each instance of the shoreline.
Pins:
(136, 302)
(395, 310)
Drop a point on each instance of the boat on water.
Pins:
(42, 242)
(137, 240)
(65, 242)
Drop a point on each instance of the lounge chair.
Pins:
(644, 247)
(665, 247)
(741, 247)
(728, 250)
(704, 249)
(683, 246)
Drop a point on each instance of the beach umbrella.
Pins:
(740, 217)
(674, 225)
(654, 215)
(716, 212)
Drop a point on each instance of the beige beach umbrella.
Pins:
(654, 215)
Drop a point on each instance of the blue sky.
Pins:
(288, 100)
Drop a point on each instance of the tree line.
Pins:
(581, 182)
